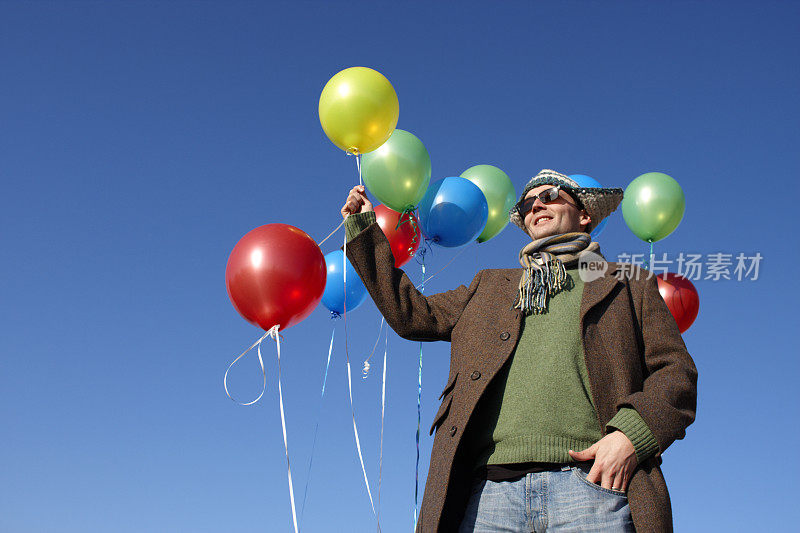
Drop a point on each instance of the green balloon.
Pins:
(500, 195)
(398, 172)
(653, 206)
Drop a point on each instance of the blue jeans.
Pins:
(546, 501)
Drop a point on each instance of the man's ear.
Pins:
(584, 220)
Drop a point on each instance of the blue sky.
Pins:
(139, 141)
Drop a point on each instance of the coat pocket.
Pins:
(449, 387)
(444, 409)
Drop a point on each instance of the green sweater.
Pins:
(540, 405)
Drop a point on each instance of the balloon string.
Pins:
(358, 166)
(408, 213)
(350, 391)
(441, 269)
(358, 443)
(365, 371)
(649, 257)
(417, 234)
(330, 234)
(383, 411)
(419, 409)
(273, 332)
(263, 372)
(425, 248)
(316, 425)
(408, 210)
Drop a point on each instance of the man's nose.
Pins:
(537, 204)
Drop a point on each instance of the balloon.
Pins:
(653, 206)
(500, 196)
(358, 109)
(453, 212)
(587, 182)
(334, 296)
(398, 173)
(404, 240)
(275, 275)
(681, 298)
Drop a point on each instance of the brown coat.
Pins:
(635, 357)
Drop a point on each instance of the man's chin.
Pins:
(540, 233)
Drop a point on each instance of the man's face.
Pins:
(556, 217)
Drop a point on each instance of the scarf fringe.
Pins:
(544, 261)
(539, 285)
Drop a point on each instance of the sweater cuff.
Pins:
(628, 421)
(355, 223)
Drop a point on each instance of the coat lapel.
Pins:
(511, 288)
(595, 291)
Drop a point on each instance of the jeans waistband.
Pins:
(510, 472)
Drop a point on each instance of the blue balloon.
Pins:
(453, 212)
(586, 181)
(333, 298)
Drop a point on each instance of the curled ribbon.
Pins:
(419, 410)
(409, 219)
(383, 411)
(274, 333)
(334, 316)
(350, 393)
(260, 362)
(365, 370)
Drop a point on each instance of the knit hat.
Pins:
(599, 202)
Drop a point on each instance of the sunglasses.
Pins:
(546, 196)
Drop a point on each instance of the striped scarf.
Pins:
(545, 274)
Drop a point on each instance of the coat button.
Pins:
(475, 375)
(453, 431)
(505, 335)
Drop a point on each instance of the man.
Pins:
(562, 393)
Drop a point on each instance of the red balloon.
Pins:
(275, 275)
(681, 298)
(404, 240)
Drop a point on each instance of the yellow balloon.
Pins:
(358, 109)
